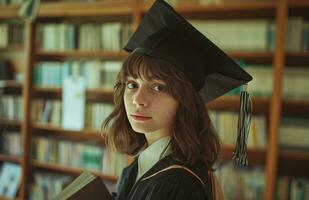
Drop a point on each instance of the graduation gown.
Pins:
(164, 185)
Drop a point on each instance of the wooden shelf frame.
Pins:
(10, 158)
(92, 95)
(9, 12)
(260, 104)
(225, 11)
(85, 9)
(69, 170)
(64, 55)
(256, 156)
(87, 134)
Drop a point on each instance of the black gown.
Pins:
(170, 184)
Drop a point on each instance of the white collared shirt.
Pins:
(152, 154)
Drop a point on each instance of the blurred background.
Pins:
(58, 63)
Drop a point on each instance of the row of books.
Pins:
(47, 185)
(255, 35)
(292, 188)
(294, 79)
(294, 134)
(78, 154)
(109, 36)
(11, 35)
(50, 112)
(97, 73)
(11, 107)
(96, 113)
(10, 143)
(10, 177)
(4, 32)
(297, 34)
(225, 124)
(241, 182)
(10, 2)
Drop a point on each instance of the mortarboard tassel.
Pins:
(244, 122)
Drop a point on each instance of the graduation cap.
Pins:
(166, 35)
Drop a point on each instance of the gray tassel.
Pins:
(244, 122)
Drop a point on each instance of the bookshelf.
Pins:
(131, 11)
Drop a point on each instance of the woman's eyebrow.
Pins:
(150, 80)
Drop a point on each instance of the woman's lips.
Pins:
(140, 118)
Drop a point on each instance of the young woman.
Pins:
(160, 115)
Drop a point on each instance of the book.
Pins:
(85, 186)
(73, 102)
(9, 180)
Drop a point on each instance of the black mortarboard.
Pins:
(164, 34)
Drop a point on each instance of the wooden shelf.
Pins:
(255, 156)
(295, 107)
(298, 3)
(10, 84)
(8, 123)
(298, 8)
(3, 198)
(226, 10)
(9, 12)
(69, 170)
(9, 158)
(93, 95)
(251, 57)
(293, 163)
(11, 87)
(12, 48)
(64, 55)
(297, 58)
(111, 10)
(59, 132)
(260, 104)
(258, 57)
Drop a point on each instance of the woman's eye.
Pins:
(159, 88)
(131, 85)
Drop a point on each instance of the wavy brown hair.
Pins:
(193, 137)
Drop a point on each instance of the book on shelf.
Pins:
(73, 103)
(47, 185)
(241, 182)
(10, 177)
(48, 111)
(98, 74)
(85, 186)
(109, 36)
(5, 70)
(11, 107)
(292, 188)
(225, 124)
(11, 34)
(248, 35)
(294, 134)
(87, 155)
(294, 80)
(297, 34)
(10, 2)
(10, 143)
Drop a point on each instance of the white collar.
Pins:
(152, 154)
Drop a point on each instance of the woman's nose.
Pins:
(140, 98)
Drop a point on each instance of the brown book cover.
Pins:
(85, 186)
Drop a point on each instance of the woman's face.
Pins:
(149, 108)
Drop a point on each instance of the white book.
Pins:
(9, 179)
(73, 103)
